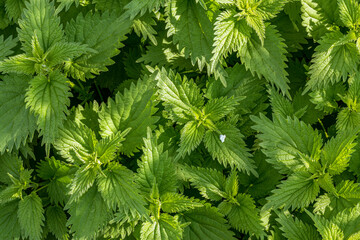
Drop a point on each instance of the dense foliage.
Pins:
(179, 119)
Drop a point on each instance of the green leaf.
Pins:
(218, 108)
(31, 216)
(349, 12)
(156, 167)
(6, 46)
(64, 51)
(192, 30)
(56, 222)
(349, 221)
(289, 143)
(210, 182)
(107, 147)
(230, 35)
(20, 64)
(117, 188)
(334, 59)
(267, 59)
(39, 19)
(58, 189)
(132, 109)
(241, 83)
(348, 189)
(51, 168)
(10, 165)
(191, 136)
(17, 185)
(90, 30)
(36, 50)
(84, 179)
(327, 229)
(354, 163)
(255, 13)
(9, 223)
(337, 152)
(175, 203)
(205, 223)
(270, 8)
(282, 106)
(331, 11)
(88, 214)
(10, 193)
(347, 119)
(232, 184)
(143, 27)
(346, 195)
(295, 229)
(327, 97)
(298, 191)
(257, 23)
(139, 7)
(166, 228)
(17, 123)
(122, 226)
(314, 19)
(58, 176)
(232, 151)
(243, 215)
(76, 143)
(326, 182)
(181, 97)
(66, 4)
(14, 8)
(353, 95)
(48, 98)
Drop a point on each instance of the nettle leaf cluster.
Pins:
(179, 119)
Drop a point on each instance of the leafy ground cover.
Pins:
(179, 119)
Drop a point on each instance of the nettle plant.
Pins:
(218, 119)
